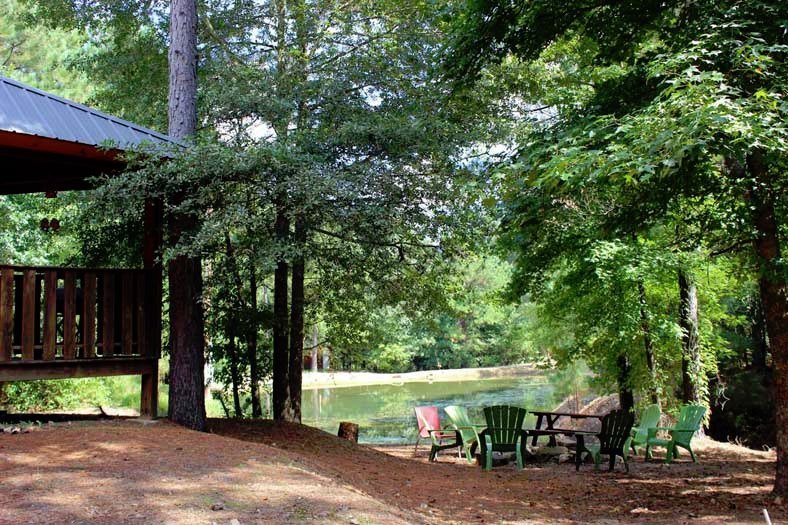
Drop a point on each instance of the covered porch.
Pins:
(75, 322)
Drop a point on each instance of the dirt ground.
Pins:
(133, 473)
(130, 473)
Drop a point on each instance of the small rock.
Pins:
(235, 522)
(551, 451)
(217, 506)
(354, 521)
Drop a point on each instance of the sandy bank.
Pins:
(313, 380)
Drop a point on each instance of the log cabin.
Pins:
(58, 322)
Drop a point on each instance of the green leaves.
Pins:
(626, 182)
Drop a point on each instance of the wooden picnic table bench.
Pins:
(550, 419)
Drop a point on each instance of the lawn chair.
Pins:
(429, 426)
(504, 433)
(690, 420)
(649, 418)
(613, 438)
(467, 431)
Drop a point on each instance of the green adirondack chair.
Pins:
(465, 428)
(613, 438)
(689, 422)
(649, 418)
(504, 433)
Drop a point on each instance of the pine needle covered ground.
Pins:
(129, 472)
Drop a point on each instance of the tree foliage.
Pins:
(667, 131)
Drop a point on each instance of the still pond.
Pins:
(385, 414)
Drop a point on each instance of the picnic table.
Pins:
(550, 419)
(579, 435)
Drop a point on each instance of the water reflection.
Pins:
(385, 412)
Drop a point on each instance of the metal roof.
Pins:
(30, 111)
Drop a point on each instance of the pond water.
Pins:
(385, 414)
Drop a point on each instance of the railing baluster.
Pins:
(108, 309)
(38, 348)
(99, 309)
(50, 314)
(29, 321)
(69, 315)
(141, 334)
(6, 313)
(89, 315)
(127, 302)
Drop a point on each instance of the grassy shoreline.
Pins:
(315, 380)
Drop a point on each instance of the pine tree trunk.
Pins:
(182, 103)
(774, 298)
(691, 365)
(297, 323)
(645, 326)
(238, 306)
(232, 351)
(625, 396)
(251, 342)
(280, 383)
(187, 383)
(187, 388)
(760, 344)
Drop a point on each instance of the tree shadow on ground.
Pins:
(130, 473)
(729, 485)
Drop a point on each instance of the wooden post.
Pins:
(89, 315)
(29, 321)
(127, 313)
(6, 313)
(69, 315)
(108, 312)
(152, 226)
(50, 315)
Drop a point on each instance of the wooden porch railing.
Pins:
(68, 316)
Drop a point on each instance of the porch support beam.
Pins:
(64, 369)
